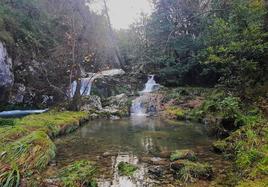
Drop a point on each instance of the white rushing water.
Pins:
(21, 112)
(151, 85)
(138, 108)
(86, 83)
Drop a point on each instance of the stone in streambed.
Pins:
(155, 172)
(183, 154)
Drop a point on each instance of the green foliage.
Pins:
(126, 169)
(237, 41)
(248, 147)
(79, 173)
(219, 104)
(176, 112)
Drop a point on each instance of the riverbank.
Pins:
(28, 146)
(240, 126)
(27, 143)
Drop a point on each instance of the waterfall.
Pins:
(86, 83)
(85, 88)
(138, 107)
(151, 85)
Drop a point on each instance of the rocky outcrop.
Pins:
(117, 105)
(6, 74)
(90, 103)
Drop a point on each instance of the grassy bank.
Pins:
(26, 145)
(240, 126)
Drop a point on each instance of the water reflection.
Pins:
(138, 179)
(110, 142)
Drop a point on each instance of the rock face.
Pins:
(117, 105)
(92, 102)
(6, 75)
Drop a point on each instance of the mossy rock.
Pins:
(219, 146)
(77, 174)
(126, 169)
(183, 154)
(188, 171)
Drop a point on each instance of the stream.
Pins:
(145, 142)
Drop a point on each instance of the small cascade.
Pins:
(151, 85)
(137, 109)
(86, 83)
(139, 105)
(85, 89)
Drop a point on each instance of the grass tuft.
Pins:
(126, 169)
(79, 173)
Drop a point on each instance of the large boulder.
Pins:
(6, 74)
(117, 105)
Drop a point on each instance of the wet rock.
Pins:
(108, 154)
(113, 117)
(155, 172)
(165, 154)
(183, 154)
(159, 161)
(94, 116)
(154, 161)
(6, 74)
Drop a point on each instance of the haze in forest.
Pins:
(123, 12)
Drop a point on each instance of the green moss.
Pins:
(176, 112)
(126, 169)
(219, 146)
(183, 154)
(53, 123)
(79, 173)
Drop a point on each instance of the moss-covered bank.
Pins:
(240, 126)
(26, 145)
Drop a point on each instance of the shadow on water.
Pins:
(140, 141)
